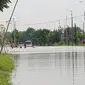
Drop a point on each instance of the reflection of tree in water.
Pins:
(16, 59)
(56, 58)
(60, 61)
(67, 61)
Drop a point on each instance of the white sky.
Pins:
(38, 11)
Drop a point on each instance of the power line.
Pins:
(55, 21)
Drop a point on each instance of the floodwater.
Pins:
(63, 68)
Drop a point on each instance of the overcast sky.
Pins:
(38, 11)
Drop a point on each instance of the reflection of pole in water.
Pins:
(75, 58)
(60, 65)
(73, 66)
(84, 60)
(55, 59)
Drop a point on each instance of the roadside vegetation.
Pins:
(6, 67)
(45, 37)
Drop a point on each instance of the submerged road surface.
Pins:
(45, 49)
(61, 68)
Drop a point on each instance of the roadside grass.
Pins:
(6, 67)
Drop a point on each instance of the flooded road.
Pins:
(63, 68)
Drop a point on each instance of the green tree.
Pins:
(22, 36)
(54, 37)
(29, 33)
(4, 4)
(46, 34)
(15, 37)
(73, 34)
(26, 35)
(42, 37)
(38, 38)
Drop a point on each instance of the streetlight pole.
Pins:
(71, 24)
(71, 19)
(83, 26)
(66, 38)
(84, 20)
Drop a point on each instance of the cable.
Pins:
(55, 21)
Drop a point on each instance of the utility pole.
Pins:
(14, 26)
(66, 21)
(84, 19)
(58, 30)
(75, 33)
(84, 25)
(71, 19)
(83, 30)
(72, 25)
(66, 32)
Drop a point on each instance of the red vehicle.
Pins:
(83, 41)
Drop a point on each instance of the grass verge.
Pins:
(6, 67)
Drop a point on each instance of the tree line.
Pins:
(44, 37)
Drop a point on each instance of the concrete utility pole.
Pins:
(59, 27)
(14, 26)
(71, 23)
(84, 25)
(71, 19)
(66, 21)
(83, 30)
(8, 26)
(66, 32)
(84, 19)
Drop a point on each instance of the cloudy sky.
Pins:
(29, 12)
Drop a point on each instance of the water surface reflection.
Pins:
(50, 69)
